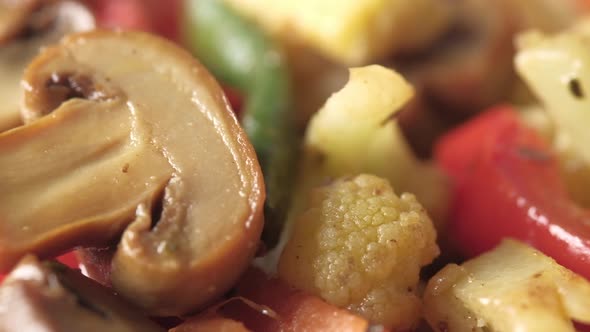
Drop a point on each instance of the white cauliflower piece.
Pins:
(357, 132)
(511, 288)
(360, 246)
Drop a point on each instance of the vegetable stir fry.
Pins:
(289, 165)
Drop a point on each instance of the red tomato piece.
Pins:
(210, 324)
(157, 16)
(165, 17)
(124, 14)
(507, 184)
(295, 309)
(235, 99)
(581, 327)
(69, 259)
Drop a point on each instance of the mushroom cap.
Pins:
(133, 141)
(14, 16)
(25, 27)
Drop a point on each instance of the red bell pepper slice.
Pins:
(507, 184)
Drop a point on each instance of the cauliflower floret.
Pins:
(361, 246)
(357, 132)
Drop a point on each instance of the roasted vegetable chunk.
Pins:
(512, 288)
(357, 132)
(351, 31)
(360, 246)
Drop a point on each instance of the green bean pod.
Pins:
(240, 55)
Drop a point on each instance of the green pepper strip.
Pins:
(242, 56)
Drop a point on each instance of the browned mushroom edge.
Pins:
(25, 27)
(125, 123)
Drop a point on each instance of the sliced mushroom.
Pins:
(14, 16)
(140, 145)
(50, 297)
(476, 57)
(25, 27)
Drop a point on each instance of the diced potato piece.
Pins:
(352, 31)
(511, 288)
(360, 246)
(557, 69)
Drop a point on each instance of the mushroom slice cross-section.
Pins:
(14, 17)
(135, 142)
(25, 27)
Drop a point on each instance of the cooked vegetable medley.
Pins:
(294, 165)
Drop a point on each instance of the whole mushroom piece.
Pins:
(134, 141)
(25, 27)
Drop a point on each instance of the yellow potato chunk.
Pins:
(352, 31)
(557, 69)
(511, 288)
(360, 246)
